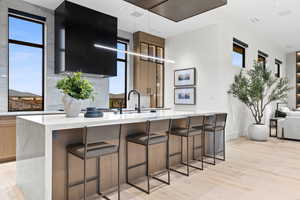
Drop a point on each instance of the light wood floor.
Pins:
(253, 171)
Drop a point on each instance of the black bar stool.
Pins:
(214, 124)
(147, 139)
(94, 146)
(193, 127)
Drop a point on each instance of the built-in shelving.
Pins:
(298, 79)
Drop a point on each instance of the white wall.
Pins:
(209, 50)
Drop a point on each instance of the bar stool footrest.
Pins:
(217, 158)
(81, 182)
(103, 196)
(183, 163)
(153, 176)
(137, 165)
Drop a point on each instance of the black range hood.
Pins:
(178, 10)
(77, 30)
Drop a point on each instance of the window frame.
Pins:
(125, 61)
(27, 44)
(278, 65)
(264, 60)
(243, 54)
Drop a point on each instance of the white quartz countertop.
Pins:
(59, 122)
(23, 113)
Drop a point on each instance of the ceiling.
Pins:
(276, 20)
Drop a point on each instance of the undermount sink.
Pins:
(135, 112)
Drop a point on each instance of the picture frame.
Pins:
(185, 96)
(185, 77)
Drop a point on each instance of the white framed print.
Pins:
(185, 77)
(185, 96)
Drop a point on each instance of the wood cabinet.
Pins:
(147, 72)
(7, 139)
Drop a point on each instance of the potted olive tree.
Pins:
(257, 88)
(75, 90)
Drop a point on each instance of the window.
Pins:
(26, 64)
(118, 84)
(277, 64)
(238, 56)
(262, 59)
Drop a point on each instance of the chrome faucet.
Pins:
(139, 99)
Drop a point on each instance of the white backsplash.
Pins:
(54, 96)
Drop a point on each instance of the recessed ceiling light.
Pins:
(255, 20)
(284, 13)
(136, 14)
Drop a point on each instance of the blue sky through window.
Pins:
(237, 59)
(25, 69)
(25, 62)
(26, 31)
(117, 83)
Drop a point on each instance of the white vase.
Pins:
(72, 106)
(258, 132)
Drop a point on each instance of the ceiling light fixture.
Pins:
(133, 53)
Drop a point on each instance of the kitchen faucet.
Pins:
(139, 99)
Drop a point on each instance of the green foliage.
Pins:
(76, 87)
(257, 88)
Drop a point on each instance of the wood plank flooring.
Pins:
(253, 171)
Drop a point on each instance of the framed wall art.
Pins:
(185, 77)
(185, 96)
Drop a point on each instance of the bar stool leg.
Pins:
(168, 158)
(98, 175)
(126, 160)
(181, 146)
(187, 156)
(204, 144)
(193, 148)
(214, 147)
(84, 179)
(67, 177)
(224, 155)
(119, 189)
(147, 169)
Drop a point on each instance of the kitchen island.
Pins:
(8, 132)
(41, 154)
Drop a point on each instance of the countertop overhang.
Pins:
(25, 113)
(59, 122)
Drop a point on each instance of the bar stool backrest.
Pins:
(99, 134)
(159, 126)
(210, 120)
(196, 121)
(221, 120)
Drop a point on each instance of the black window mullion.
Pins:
(11, 41)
